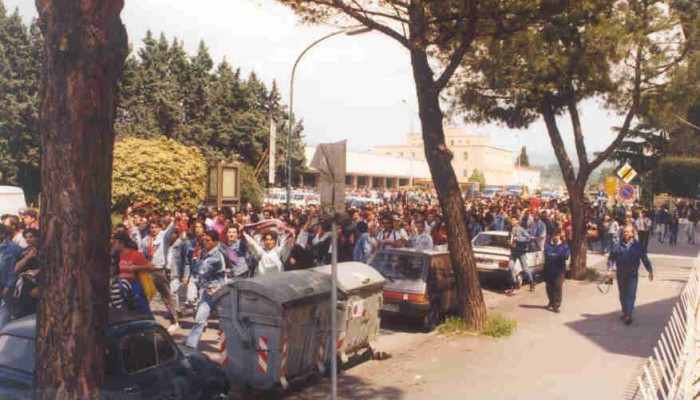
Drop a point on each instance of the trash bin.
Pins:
(360, 289)
(275, 328)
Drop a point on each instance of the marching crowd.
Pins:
(190, 254)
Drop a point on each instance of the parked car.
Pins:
(143, 362)
(11, 200)
(420, 284)
(492, 254)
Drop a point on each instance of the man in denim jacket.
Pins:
(9, 254)
(211, 276)
(627, 255)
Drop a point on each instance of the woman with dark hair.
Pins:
(27, 269)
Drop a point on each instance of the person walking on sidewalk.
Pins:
(643, 225)
(624, 259)
(555, 255)
(519, 240)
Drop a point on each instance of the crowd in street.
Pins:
(190, 254)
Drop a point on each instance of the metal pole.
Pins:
(291, 114)
(334, 311)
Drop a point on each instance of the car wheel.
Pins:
(519, 280)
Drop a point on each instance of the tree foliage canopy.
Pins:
(20, 57)
(164, 92)
(680, 175)
(161, 171)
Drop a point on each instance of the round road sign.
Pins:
(626, 192)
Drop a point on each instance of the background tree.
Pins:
(445, 29)
(161, 171)
(84, 49)
(20, 55)
(523, 159)
(680, 176)
(478, 177)
(614, 50)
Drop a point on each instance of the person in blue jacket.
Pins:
(556, 252)
(626, 256)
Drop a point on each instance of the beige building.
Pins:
(370, 170)
(470, 152)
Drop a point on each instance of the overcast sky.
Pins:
(358, 88)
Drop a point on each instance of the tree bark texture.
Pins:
(578, 245)
(470, 298)
(575, 185)
(85, 46)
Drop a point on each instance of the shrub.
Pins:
(499, 326)
(592, 275)
(495, 326)
(161, 171)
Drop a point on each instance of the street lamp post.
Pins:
(356, 30)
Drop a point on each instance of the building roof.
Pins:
(379, 165)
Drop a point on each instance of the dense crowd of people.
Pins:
(190, 254)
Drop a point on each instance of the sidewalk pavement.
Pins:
(583, 353)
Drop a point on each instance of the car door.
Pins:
(145, 360)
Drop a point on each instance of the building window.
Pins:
(465, 156)
(413, 154)
(452, 142)
(401, 154)
(465, 173)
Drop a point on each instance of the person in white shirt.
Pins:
(643, 224)
(421, 240)
(270, 256)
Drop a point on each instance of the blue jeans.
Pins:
(523, 263)
(608, 242)
(200, 319)
(142, 305)
(627, 285)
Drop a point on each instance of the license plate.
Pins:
(390, 307)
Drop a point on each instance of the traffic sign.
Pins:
(626, 173)
(610, 185)
(626, 192)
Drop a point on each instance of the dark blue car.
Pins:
(143, 363)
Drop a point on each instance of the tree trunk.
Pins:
(469, 296)
(84, 50)
(579, 245)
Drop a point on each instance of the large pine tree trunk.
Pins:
(470, 298)
(578, 245)
(84, 50)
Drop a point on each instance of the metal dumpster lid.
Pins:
(354, 276)
(284, 287)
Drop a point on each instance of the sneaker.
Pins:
(509, 292)
(532, 286)
(556, 310)
(173, 328)
(628, 320)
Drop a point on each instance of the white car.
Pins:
(492, 254)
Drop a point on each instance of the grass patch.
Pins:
(496, 326)
(499, 326)
(592, 275)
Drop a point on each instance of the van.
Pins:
(11, 200)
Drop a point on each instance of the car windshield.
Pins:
(485, 239)
(399, 266)
(17, 353)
